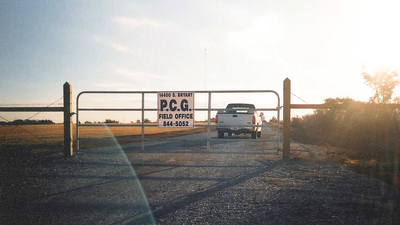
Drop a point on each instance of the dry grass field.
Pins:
(31, 134)
(49, 137)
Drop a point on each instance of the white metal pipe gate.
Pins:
(142, 109)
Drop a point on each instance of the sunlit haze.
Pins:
(191, 45)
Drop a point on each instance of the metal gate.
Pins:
(142, 109)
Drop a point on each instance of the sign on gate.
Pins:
(175, 109)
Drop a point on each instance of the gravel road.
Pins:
(179, 181)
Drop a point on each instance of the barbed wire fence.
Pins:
(299, 98)
(324, 142)
(24, 130)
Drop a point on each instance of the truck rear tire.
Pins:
(220, 134)
(254, 135)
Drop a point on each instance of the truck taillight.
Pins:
(216, 119)
(254, 119)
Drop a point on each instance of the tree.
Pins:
(273, 120)
(111, 121)
(383, 83)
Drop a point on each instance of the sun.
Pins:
(379, 36)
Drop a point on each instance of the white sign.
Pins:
(175, 109)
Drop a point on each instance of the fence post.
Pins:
(68, 150)
(286, 118)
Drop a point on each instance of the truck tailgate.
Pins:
(234, 120)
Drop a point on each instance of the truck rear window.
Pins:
(240, 108)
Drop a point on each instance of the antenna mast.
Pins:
(205, 69)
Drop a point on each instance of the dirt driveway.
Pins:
(179, 181)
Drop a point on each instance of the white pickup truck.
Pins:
(236, 118)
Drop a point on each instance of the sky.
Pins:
(321, 46)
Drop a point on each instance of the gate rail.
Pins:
(142, 109)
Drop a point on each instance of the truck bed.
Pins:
(238, 119)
